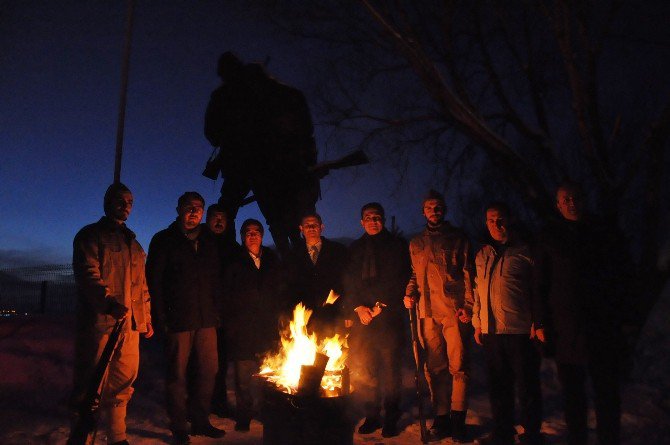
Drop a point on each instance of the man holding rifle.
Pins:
(108, 265)
(441, 284)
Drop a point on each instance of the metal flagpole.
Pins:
(124, 90)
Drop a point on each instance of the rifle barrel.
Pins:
(418, 360)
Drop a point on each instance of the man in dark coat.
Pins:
(578, 260)
(374, 285)
(315, 268)
(217, 224)
(183, 276)
(253, 300)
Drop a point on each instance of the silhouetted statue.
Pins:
(263, 129)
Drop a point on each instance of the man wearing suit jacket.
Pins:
(253, 299)
(315, 267)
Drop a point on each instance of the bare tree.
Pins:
(517, 94)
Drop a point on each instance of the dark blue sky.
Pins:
(59, 92)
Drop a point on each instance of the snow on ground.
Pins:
(36, 369)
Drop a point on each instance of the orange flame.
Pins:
(299, 348)
(332, 298)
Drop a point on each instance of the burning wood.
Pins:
(304, 366)
(331, 299)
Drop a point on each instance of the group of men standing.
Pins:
(214, 301)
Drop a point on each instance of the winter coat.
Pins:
(504, 289)
(228, 250)
(581, 267)
(441, 265)
(311, 283)
(392, 271)
(253, 301)
(108, 265)
(184, 283)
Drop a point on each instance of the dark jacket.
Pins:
(311, 283)
(228, 250)
(184, 283)
(108, 265)
(387, 286)
(253, 301)
(580, 276)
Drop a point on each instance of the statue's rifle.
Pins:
(321, 169)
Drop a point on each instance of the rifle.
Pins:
(418, 360)
(353, 159)
(321, 169)
(213, 166)
(84, 429)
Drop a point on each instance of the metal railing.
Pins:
(37, 289)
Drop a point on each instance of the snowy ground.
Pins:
(35, 373)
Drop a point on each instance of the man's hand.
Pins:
(478, 336)
(537, 333)
(364, 314)
(150, 331)
(462, 315)
(376, 311)
(409, 302)
(117, 310)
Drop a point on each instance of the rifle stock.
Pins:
(419, 362)
(353, 159)
(320, 170)
(83, 431)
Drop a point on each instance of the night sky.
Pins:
(59, 95)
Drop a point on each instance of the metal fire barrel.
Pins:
(307, 418)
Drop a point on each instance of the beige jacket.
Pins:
(108, 265)
(442, 272)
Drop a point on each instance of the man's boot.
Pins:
(441, 427)
(458, 430)
(116, 415)
(373, 419)
(391, 416)
(531, 439)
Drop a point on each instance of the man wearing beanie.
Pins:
(441, 284)
(108, 265)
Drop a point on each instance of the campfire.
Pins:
(304, 365)
(306, 388)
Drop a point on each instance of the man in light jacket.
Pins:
(441, 286)
(507, 315)
(108, 265)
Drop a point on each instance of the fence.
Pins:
(38, 289)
